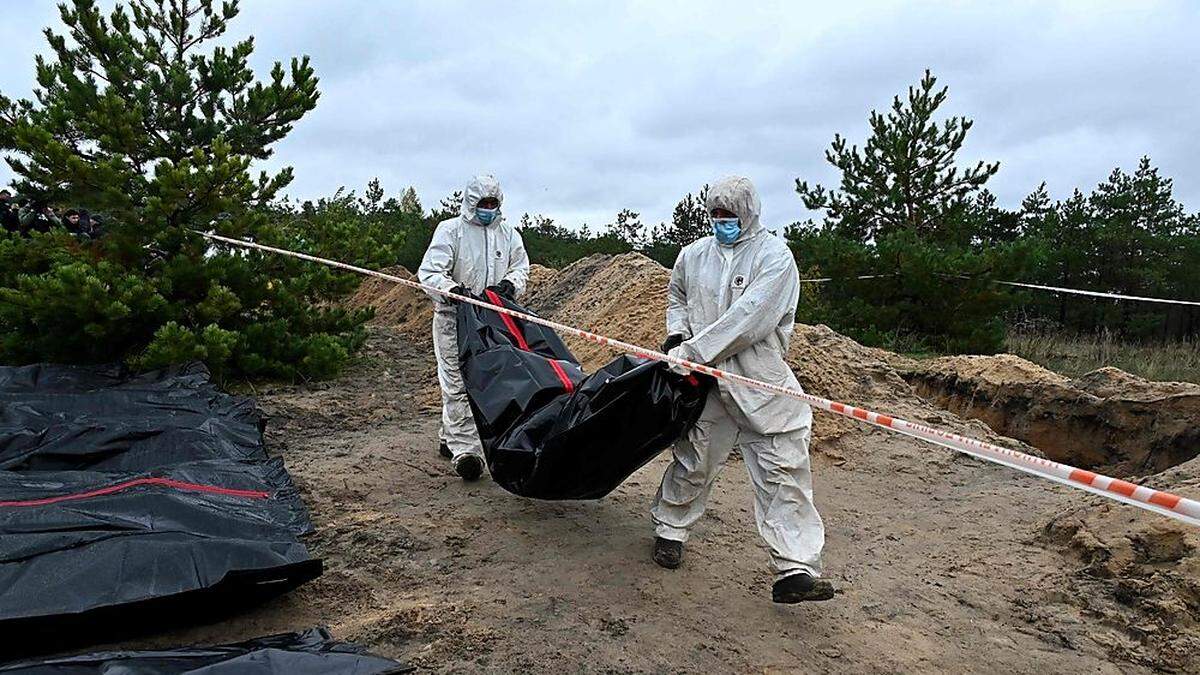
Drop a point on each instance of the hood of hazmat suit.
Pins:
(468, 253)
(736, 304)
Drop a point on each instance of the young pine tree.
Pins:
(146, 114)
(906, 176)
(907, 211)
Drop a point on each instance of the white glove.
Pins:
(680, 352)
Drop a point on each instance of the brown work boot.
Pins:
(667, 553)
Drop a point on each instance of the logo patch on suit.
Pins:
(739, 281)
(498, 253)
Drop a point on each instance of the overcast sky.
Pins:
(584, 108)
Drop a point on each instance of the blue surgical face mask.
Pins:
(726, 230)
(486, 216)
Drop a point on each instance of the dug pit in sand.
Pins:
(1107, 420)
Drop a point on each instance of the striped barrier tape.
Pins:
(1039, 287)
(1173, 506)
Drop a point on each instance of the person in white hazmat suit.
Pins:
(731, 304)
(474, 251)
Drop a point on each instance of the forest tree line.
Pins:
(146, 118)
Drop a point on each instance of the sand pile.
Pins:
(539, 277)
(1107, 420)
(409, 309)
(623, 297)
(1115, 383)
(394, 304)
(1137, 572)
(834, 366)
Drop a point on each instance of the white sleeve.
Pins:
(518, 263)
(437, 267)
(677, 314)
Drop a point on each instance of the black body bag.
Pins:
(130, 503)
(550, 431)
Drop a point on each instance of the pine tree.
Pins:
(132, 118)
(449, 207)
(628, 228)
(1136, 220)
(905, 177)
(690, 221)
(906, 211)
(149, 115)
(410, 203)
(372, 199)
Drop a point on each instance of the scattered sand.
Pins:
(1138, 574)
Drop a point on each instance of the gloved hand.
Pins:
(679, 352)
(506, 289)
(457, 290)
(673, 341)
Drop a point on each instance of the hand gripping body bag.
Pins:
(549, 430)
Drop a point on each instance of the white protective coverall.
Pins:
(465, 252)
(736, 306)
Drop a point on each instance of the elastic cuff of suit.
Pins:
(799, 569)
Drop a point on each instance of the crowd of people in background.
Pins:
(24, 215)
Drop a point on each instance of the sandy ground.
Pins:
(935, 557)
(943, 563)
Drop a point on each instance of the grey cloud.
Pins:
(585, 108)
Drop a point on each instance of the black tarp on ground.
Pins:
(134, 502)
(551, 432)
(67, 418)
(311, 652)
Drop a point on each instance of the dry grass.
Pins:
(1074, 355)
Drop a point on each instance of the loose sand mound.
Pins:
(409, 309)
(394, 304)
(1108, 419)
(1139, 574)
(622, 297)
(625, 297)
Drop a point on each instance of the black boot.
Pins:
(444, 450)
(801, 588)
(469, 467)
(667, 553)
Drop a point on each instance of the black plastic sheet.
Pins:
(550, 431)
(132, 503)
(101, 418)
(310, 652)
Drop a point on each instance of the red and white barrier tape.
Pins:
(1173, 506)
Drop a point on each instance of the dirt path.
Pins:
(938, 557)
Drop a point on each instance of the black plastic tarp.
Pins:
(311, 652)
(133, 502)
(102, 418)
(550, 431)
